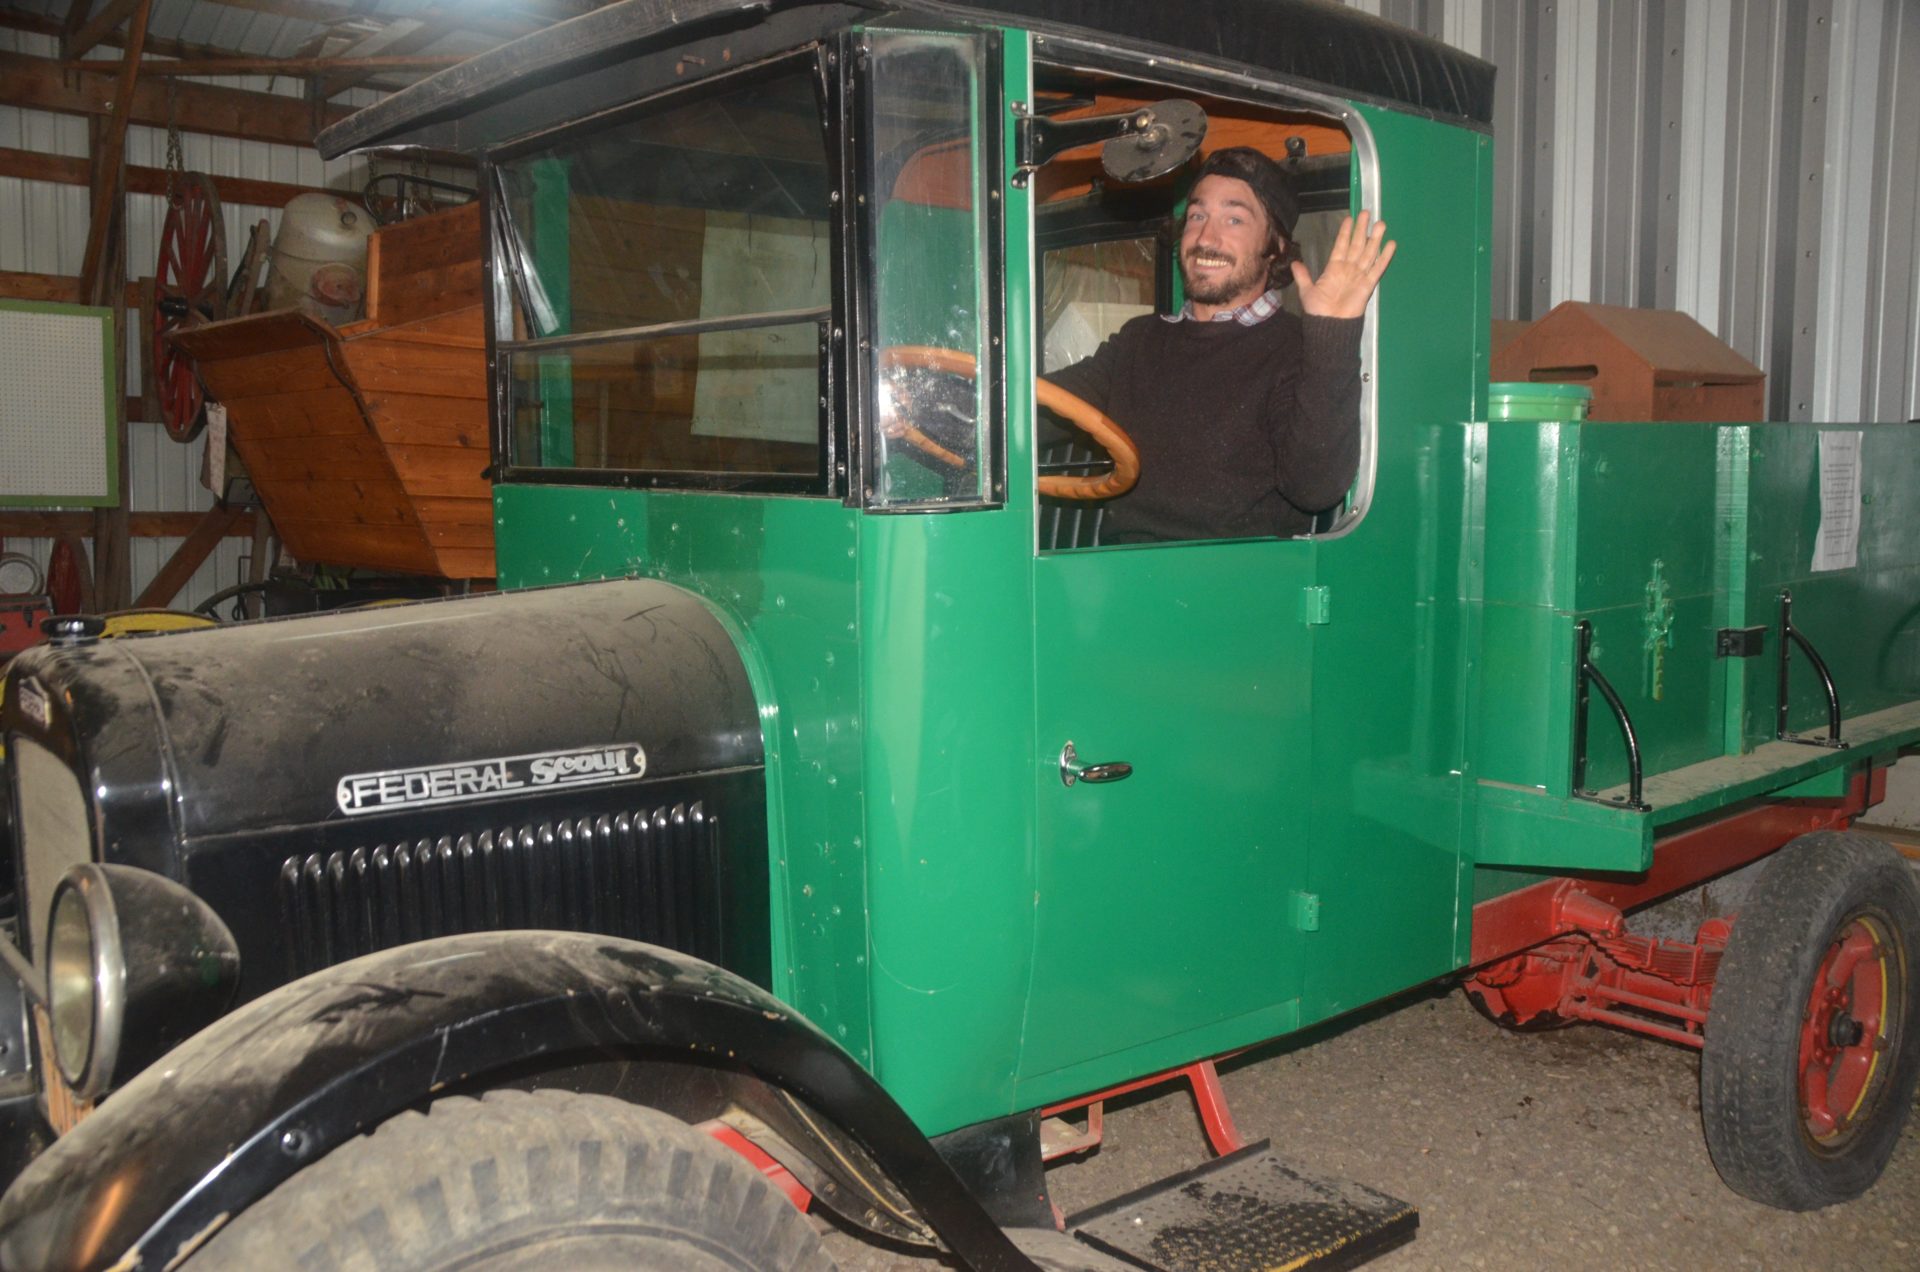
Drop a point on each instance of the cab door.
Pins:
(1167, 900)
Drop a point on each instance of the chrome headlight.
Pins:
(135, 964)
(86, 980)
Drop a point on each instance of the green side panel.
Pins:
(1832, 784)
(1611, 524)
(1659, 571)
(1390, 689)
(1520, 827)
(1864, 620)
(949, 833)
(1738, 678)
(1530, 479)
(781, 574)
(552, 217)
(1649, 535)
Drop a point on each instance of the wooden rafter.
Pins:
(76, 18)
(142, 525)
(420, 37)
(321, 12)
(41, 83)
(34, 165)
(90, 33)
(276, 65)
(107, 192)
(156, 46)
(214, 525)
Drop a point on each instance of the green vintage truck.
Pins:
(823, 813)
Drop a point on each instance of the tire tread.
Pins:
(1748, 1081)
(426, 1186)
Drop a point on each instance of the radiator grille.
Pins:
(648, 875)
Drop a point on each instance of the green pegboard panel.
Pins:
(58, 446)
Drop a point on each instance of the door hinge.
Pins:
(1316, 605)
(1306, 910)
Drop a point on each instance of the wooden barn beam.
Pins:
(91, 33)
(26, 524)
(414, 41)
(321, 12)
(214, 525)
(40, 83)
(156, 46)
(108, 188)
(277, 65)
(64, 288)
(21, 285)
(69, 27)
(34, 165)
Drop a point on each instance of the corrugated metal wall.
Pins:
(43, 229)
(1754, 163)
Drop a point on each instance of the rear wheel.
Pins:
(519, 1180)
(1810, 1059)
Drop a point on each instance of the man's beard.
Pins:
(1238, 279)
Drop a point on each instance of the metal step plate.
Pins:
(1247, 1212)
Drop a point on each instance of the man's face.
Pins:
(1223, 244)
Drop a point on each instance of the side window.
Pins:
(1112, 251)
(672, 287)
(932, 278)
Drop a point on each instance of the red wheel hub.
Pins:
(189, 289)
(1844, 1031)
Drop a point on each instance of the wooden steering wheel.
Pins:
(1090, 419)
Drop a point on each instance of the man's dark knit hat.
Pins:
(1266, 178)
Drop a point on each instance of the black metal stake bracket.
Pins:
(1590, 674)
(1038, 138)
(1789, 637)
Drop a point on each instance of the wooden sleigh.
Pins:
(368, 442)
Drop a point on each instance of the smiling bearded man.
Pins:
(1246, 417)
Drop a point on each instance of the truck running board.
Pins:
(1247, 1212)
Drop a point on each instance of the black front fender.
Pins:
(226, 1117)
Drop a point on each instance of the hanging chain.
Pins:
(176, 165)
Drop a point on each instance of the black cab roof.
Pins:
(1308, 43)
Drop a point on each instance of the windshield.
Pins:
(672, 287)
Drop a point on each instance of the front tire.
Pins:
(523, 1180)
(1811, 1057)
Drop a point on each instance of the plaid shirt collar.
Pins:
(1251, 314)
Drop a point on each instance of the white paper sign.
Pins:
(213, 459)
(1838, 545)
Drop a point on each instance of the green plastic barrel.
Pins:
(1520, 401)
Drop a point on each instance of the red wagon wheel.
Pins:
(189, 283)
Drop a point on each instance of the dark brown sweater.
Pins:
(1243, 431)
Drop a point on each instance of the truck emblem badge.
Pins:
(33, 702)
(392, 789)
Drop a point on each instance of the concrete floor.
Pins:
(1575, 1149)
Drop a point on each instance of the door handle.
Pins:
(1072, 770)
